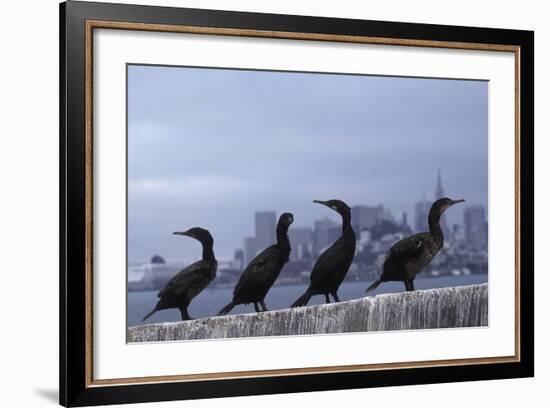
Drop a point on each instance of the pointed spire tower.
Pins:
(440, 193)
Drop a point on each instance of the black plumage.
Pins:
(190, 281)
(263, 270)
(409, 256)
(332, 266)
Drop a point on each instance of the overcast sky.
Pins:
(209, 147)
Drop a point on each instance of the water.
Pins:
(211, 300)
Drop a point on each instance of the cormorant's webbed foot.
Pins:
(327, 299)
(335, 296)
(262, 303)
(257, 308)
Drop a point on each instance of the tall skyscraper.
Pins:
(404, 220)
(365, 217)
(334, 233)
(475, 226)
(322, 233)
(238, 259)
(301, 239)
(440, 193)
(422, 209)
(250, 249)
(265, 229)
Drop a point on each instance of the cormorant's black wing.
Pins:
(188, 276)
(332, 258)
(405, 250)
(259, 269)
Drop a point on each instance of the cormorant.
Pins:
(190, 281)
(333, 264)
(412, 254)
(263, 270)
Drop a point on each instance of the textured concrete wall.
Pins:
(464, 306)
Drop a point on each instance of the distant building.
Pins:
(404, 220)
(322, 233)
(334, 233)
(265, 229)
(250, 248)
(439, 190)
(365, 217)
(475, 226)
(388, 216)
(421, 210)
(456, 234)
(301, 240)
(364, 237)
(157, 259)
(238, 259)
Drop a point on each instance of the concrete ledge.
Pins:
(464, 306)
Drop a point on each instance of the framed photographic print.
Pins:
(256, 203)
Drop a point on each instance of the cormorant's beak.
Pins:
(186, 233)
(326, 203)
(457, 201)
(321, 202)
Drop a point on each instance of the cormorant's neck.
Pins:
(208, 252)
(435, 228)
(282, 238)
(346, 223)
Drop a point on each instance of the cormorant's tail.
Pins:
(149, 314)
(302, 300)
(227, 308)
(376, 283)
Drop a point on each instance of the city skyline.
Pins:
(332, 228)
(265, 220)
(465, 251)
(326, 230)
(210, 147)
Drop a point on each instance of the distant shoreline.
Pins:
(231, 285)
